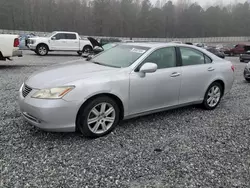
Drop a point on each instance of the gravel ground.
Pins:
(187, 147)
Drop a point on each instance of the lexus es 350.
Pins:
(126, 81)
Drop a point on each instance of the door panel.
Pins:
(195, 80)
(60, 42)
(155, 90)
(72, 42)
(197, 72)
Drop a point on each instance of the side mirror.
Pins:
(53, 38)
(148, 68)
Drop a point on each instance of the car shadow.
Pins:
(57, 55)
(125, 124)
(18, 66)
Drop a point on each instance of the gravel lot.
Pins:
(187, 147)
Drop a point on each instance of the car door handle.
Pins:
(210, 69)
(175, 74)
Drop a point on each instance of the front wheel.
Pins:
(213, 96)
(42, 50)
(98, 117)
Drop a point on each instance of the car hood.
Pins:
(64, 73)
(94, 42)
(37, 37)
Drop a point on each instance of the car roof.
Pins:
(159, 44)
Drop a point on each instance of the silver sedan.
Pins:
(126, 81)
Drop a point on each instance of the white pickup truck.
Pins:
(9, 47)
(59, 41)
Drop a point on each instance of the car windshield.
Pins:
(50, 34)
(120, 55)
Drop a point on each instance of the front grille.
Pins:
(26, 90)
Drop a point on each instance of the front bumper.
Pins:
(31, 46)
(17, 53)
(50, 115)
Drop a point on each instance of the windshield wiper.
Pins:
(98, 63)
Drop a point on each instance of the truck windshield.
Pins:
(120, 56)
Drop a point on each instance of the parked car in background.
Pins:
(9, 47)
(177, 42)
(236, 50)
(104, 41)
(128, 80)
(247, 72)
(59, 41)
(201, 45)
(97, 47)
(216, 52)
(23, 39)
(245, 57)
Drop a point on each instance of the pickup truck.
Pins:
(236, 50)
(59, 41)
(9, 47)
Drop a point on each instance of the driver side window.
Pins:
(59, 36)
(164, 58)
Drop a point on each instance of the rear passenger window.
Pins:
(207, 59)
(71, 36)
(191, 56)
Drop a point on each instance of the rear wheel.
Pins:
(42, 50)
(242, 61)
(79, 53)
(86, 49)
(98, 117)
(247, 79)
(213, 96)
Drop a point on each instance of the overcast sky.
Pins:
(210, 2)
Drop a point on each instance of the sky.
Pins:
(205, 3)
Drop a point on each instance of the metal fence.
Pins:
(193, 40)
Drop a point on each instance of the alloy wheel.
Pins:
(214, 95)
(101, 118)
(42, 50)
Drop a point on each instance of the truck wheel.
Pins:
(42, 50)
(79, 53)
(87, 49)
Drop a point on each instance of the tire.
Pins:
(87, 49)
(211, 105)
(98, 127)
(79, 53)
(42, 50)
(247, 79)
(242, 61)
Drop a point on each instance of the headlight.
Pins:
(53, 93)
(32, 41)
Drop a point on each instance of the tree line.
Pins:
(126, 18)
